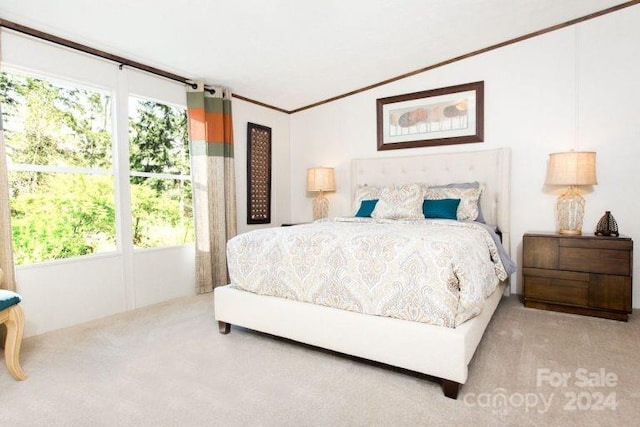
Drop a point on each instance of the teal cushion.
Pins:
(366, 208)
(464, 185)
(443, 208)
(8, 298)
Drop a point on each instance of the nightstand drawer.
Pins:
(620, 244)
(557, 290)
(610, 292)
(540, 252)
(606, 261)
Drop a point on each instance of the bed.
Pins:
(439, 351)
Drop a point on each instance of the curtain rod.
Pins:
(97, 52)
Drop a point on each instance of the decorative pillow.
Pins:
(366, 208)
(474, 184)
(399, 202)
(469, 197)
(443, 208)
(365, 192)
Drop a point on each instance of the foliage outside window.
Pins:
(161, 195)
(59, 154)
(61, 175)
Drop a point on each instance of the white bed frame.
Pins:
(433, 350)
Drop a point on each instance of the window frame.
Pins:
(164, 176)
(120, 91)
(68, 83)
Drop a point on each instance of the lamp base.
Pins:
(572, 232)
(320, 207)
(570, 212)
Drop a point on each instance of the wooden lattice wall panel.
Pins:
(258, 174)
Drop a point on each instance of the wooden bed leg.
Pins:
(224, 327)
(450, 388)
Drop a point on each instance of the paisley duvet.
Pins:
(432, 271)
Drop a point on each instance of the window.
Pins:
(61, 175)
(59, 153)
(161, 196)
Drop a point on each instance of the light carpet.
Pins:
(167, 365)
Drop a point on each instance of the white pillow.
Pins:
(399, 202)
(468, 207)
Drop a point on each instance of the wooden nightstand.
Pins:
(587, 275)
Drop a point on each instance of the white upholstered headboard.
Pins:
(489, 167)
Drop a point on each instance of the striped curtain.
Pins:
(214, 182)
(6, 248)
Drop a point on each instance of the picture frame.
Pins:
(258, 174)
(448, 115)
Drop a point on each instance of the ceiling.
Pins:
(293, 53)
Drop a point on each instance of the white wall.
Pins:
(531, 106)
(62, 293)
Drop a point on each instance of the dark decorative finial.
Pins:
(607, 226)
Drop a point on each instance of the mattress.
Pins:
(431, 271)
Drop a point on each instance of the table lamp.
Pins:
(320, 179)
(572, 169)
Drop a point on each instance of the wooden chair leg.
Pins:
(15, 328)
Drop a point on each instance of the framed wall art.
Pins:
(258, 174)
(449, 115)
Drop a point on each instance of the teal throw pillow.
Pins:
(443, 208)
(366, 208)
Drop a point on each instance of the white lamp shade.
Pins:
(572, 168)
(321, 179)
